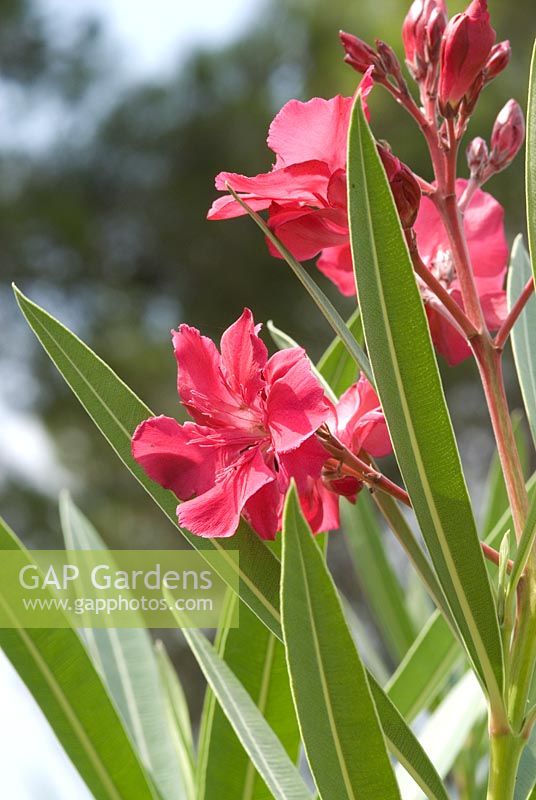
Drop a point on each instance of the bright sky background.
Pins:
(150, 37)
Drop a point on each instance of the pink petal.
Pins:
(361, 423)
(495, 309)
(217, 512)
(243, 356)
(317, 130)
(320, 507)
(336, 264)
(263, 510)
(448, 342)
(484, 226)
(295, 404)
(305, 182)
(200, 383)
(305, 232)
(305, 462)
(169, 457)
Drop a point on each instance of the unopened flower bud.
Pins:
(507, 135)
(498, 60)
(422, 31)
(388, 58)
(358, 54)
(477, 156)
(404, 186)
(465, 49)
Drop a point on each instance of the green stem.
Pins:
(505, 753)
(523, 656)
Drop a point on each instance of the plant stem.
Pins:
(505, 753)
(515, 311)
(524, 648)
(490, 366)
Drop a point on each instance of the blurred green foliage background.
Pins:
(106, 227)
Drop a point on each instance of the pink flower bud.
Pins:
(477, 156)
(421, 33)
(498, 60)
(465, 49)
(507, 135)
(388, 58)
(358, 54)
(404, 186)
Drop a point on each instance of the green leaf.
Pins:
(524, 549)
(126, 661)
(524, 331)
(324, 304)
(425, 669)
(258, 739)
(376, 575)
(179, 718)
(337, 704)
(340, 727)
(54, 665)
(117, 411)
(407, 377)
(526, 773)
(257, 659)
(445, 732)
(335, 365)
(531, 162)
(496, 496)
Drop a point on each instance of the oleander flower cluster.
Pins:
(259, 422)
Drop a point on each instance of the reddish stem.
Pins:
(440, 292)
(515, 311)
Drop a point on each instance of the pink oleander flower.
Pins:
(305, 193)
(357, 421)
(465, 48)
(254, 420)
(484, 229)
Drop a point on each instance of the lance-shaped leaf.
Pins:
(531, 162)
(339, 707)
(257, 659)
(54, 665)
(125, 659)
(335, 365)
(340, 728)
(258, 739)
(524, 331)
(408, 382)
(117, 411)
(376, 575)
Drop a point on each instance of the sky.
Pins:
(150, 38)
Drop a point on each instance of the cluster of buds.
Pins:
(382, 61)
(507, 139)
(422, 33)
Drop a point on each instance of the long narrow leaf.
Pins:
(257, 659)
(117, 411)
(337, 704)
(335, 365)
(341, 733)
(410, 389)
(376, 575)
(57, 670)
(524, 331)
(126, 660)
(179, 719)
(258, 739)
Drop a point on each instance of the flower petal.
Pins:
(217, 512)
(168, 455)
(243, 356)
(336, 264)
(317, 129)
(295, 403)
